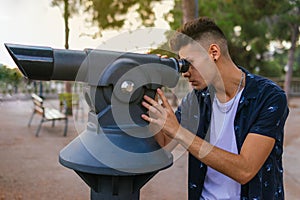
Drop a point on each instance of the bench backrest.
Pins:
(38, 104)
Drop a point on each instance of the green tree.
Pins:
(284, 25)
(249, 26)
(108, 14)
(69, 8)
(10, 76)
(244, 24)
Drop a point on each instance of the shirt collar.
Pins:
(251, 88)
(249, 92)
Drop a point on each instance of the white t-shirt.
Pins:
(218, 186)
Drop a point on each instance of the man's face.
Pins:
(202, 69)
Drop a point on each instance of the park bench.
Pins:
(48, 114)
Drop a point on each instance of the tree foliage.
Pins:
(250, 26)
(243, 22)
(73, 5)
(285, 24)
(112, 14)
(11, 76)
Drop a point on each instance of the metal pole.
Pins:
(41, 89)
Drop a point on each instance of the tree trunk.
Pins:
(189, 9)
(189, 12)
(68, 86)
(291, 58)
(66, 19)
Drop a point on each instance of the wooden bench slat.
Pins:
(39, 110)
(51, 113)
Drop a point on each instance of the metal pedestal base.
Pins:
(99, 196)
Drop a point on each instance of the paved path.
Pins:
(29, 168)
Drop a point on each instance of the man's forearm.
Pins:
(239, 167)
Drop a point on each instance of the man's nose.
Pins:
(186, 74)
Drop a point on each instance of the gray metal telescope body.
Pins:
(116, 154)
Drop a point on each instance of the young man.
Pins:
(232, 123)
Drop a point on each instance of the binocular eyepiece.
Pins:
(184, 65)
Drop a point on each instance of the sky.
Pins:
(35, 22)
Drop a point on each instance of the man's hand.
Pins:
(161, 116)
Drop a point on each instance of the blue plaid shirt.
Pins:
(263, 110)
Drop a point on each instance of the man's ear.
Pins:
(214, 52)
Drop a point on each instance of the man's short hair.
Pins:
(202, 30)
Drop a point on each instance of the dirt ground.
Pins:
(29, 167)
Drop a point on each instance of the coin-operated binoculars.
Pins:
(116, 154)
